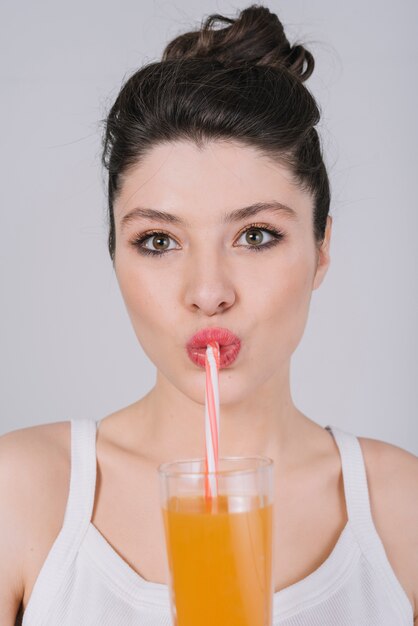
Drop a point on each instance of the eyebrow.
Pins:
(228, 218)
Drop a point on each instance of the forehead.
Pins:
(202, 182)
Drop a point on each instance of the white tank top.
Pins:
(84, 582)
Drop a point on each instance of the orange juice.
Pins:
(220, 561)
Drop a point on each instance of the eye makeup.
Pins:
(138, 241)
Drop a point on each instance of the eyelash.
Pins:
(138, 241)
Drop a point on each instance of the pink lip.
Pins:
(229, 343)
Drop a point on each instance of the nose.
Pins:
(208, 287)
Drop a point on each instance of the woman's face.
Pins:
(212, 272)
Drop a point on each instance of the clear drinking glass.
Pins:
(219, 550)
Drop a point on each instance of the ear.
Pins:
(323, 257)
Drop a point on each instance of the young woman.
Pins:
(219, 225)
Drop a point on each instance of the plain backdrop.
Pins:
(67, 346)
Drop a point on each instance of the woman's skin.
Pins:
(211, 277)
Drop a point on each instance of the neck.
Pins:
(266, 423)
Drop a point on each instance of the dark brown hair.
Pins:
(242, 82)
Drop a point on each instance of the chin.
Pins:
(233, 388)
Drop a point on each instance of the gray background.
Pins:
(67, 346)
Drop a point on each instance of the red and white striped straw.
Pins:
(212, 362)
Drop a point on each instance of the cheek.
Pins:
(148, 303)
(281, 304)
(138, 293)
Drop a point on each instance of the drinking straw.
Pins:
(212, 361)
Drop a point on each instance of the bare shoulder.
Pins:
(392, 475)
(41, 433)
(32, 456)
(34, 483)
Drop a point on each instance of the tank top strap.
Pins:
(83, 476)
(360, 517)
(77, 518)
(355, 481)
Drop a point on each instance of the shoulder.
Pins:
(392, 476)
(31, 453)
(34, 482)
(34, 464)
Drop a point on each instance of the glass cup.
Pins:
(219, 549)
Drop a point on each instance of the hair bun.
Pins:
(256, 37)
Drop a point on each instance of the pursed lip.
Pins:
(223, 336)
(229, 344)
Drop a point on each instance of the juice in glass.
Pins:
(220, 551)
